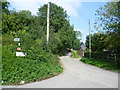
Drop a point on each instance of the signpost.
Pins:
(18, 52)
(17, 39)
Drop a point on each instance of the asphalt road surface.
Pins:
(76, 75)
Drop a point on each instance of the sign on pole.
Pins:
(18, 44)
(20, 54)
(17, 39)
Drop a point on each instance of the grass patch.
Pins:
(74, 54)
(114, 66)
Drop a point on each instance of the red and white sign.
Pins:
(19, 49)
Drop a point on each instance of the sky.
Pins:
(79, 11)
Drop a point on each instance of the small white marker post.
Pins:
(19, 44)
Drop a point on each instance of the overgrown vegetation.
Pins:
(41, 61)
(114, 66)
(74, 54)
(37, 65)
(28, 70)
(105, 43)
(107, 22)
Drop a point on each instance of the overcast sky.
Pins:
(80, 11)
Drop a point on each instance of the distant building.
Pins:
(81, 49)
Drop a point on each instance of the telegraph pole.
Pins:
(48, 16)
(89, 40)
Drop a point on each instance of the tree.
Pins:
(4, 4)
(98, 41)
(108, 20)
(16, 21)
(62, 34)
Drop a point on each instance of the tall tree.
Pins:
(62, 34)
(108, 20)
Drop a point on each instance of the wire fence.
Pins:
(104, 56)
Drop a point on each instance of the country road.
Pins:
(76, 75)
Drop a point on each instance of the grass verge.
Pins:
(114, 66)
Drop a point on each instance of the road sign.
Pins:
(18, 49)
(17, 39)
(20, 54)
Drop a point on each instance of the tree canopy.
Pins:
(98, 42)
(62, 34)
(108, 21)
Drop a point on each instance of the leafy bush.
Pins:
(74, 54)
(18, 69)
(37, 65)
(102, 64)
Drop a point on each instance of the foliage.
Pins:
(16, 21)
(17, 70)
(108, 20)
(98, 41)
(37, 65)
(76, 43)
(74, 54)
(102, 64)
(4, 6)
(107, 38)
(62, 35)
(41, 61)
(105, 56)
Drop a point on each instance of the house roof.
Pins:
(82, 46)
(81, 43)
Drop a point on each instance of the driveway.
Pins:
(76, 75)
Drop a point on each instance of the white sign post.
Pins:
(19, 53)
(18, 44)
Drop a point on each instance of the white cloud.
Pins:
(33, 5)
(70, 7)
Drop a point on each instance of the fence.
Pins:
(104, 56)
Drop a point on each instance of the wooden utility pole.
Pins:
(48, 12)
(89, 40)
